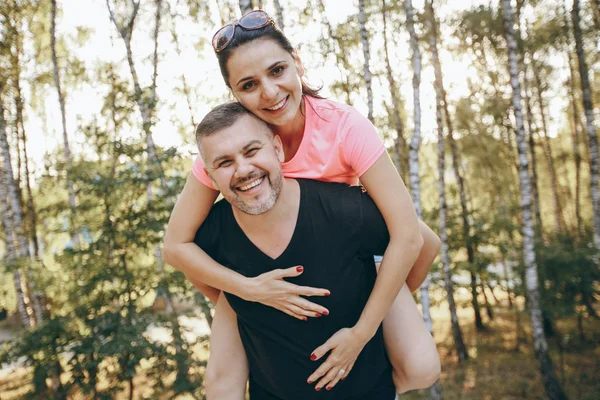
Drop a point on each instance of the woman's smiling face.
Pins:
(265, 78)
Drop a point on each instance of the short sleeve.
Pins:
(209, 232)
(199, 173)
(361, 144)
(374, 235)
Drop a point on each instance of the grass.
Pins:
(496, 369)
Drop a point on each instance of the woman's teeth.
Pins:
(278, 105)
(251, 184)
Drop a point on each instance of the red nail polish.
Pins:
(319, 315)
(327, 293)
(313, 357)
(325, 312)
(318, 388)
(342, 378)
(299, 269)
(309, 381)
(328, 388)
(305, 319)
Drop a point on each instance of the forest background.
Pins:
(489, 110)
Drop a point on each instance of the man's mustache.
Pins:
(245, 179)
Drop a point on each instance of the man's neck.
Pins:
(286, 206)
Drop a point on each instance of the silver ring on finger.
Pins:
(341, 371)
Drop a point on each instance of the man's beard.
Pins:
(265, 205)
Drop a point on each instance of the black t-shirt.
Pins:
(338, 230)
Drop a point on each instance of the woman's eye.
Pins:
(252, 152)
(278, 70)
(248, 85)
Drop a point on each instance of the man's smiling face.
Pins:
(243, 162)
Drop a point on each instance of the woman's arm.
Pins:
(387, 190)
(210, 277)
(429, 251)
(180, 251)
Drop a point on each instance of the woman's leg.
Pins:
(410, 347)
(227, 370)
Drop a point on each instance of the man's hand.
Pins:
(345, 346)
(272, 290)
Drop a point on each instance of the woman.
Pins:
(321, 140)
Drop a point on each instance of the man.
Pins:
(269, 222)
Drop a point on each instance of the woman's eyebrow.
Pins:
(269, 67)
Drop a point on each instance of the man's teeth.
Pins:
(278, 105)
(251, 184)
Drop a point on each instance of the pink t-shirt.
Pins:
(339, 145)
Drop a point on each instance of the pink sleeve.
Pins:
(361, 144)
(199, 173)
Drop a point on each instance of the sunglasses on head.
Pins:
(253, 20)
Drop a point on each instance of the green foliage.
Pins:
(570, 273)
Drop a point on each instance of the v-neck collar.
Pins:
(287, 249)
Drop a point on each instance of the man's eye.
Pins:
(224, 164)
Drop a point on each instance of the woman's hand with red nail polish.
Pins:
(343, 348)
(271, 289)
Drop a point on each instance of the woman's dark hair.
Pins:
(271, 31)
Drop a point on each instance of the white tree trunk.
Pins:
(399, 142)
(66, 147)
(553, 388)
(531, 128)
(340, 55)
(415, 186)
(11, 253)
(8, 195)
(589, 116)
(364, 38)
(559, 220)
(439, 100)
(245, 6)
(145, 105)
(279, 11)
(576, 127)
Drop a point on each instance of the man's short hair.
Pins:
(223, 116)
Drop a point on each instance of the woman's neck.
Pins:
(291, 134)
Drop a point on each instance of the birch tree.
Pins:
(279, 11)
(415, 186)
(531, 129)
(17, 221)
(334, 46)
(559, 220)
(551, 384)
(589, 116)
(147, 106)
(531, 125)
(461, 350)
(7, 222)
(16, 53)
(245, 6)
(400, 150)
(576, 127)
(65, 136)
(364, 38)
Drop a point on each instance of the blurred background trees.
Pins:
(488, 109)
